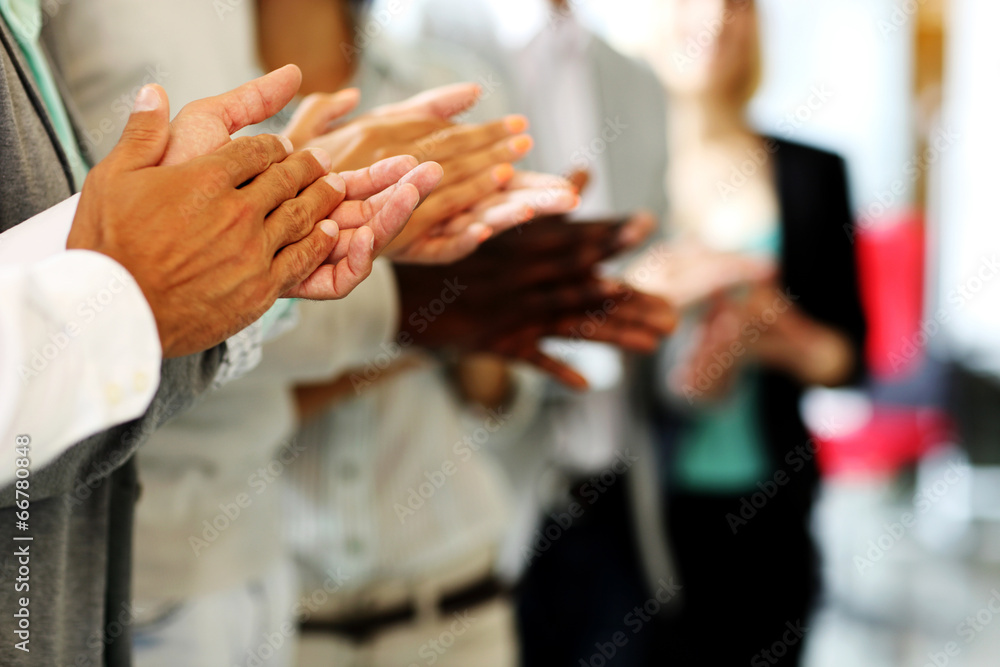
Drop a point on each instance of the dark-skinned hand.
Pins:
(533, 282)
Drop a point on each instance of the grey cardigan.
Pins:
(81, 504)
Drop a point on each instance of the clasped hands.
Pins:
(745, 316)
(215, 230)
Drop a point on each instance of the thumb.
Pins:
(442, 102)
(317, 113)
(144, 139)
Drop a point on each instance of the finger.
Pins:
(425, 177)
(458, 140)
(637, 229)
(474, 161)
(352, 213)
(499, 218)
(557, 236)
(653, 312)
(444, 249)
(561, 371)
(387, 221)
(247, 157)
(579, 179)
(257, 100)
(286, 179)
(448, 202)
(338, 279)
(442, 102)
(400, 134)
(392, 218)
(296, 262)
(627, 337)
(367, 182)
(295, 218)
(564, 297)
(509, 208)
(533, 179)
(144, 139)
(318, 111)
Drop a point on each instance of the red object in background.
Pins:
(894, 437)
(891, 264)
(891, 267)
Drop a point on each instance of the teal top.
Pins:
(722, 448)
(24, 17)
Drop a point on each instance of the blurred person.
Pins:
(81, 496)
(762, 259)
(599, 114)
(397, 513)
(206, 595)
(401, 572)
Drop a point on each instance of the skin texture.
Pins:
(480, 193)
(318, 35)
(230, 226)
(209, 257)
(557, 290)
(205, 125)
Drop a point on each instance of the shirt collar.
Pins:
(24, 17)
(521, 22)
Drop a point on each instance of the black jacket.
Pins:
(819, 269)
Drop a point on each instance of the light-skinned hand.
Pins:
(209, 255)
(480, 193)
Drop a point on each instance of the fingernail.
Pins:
(330, 228)
(576, 201)
(147, 100)
(322, 157)
(528, 213)
(336, 181)
(515, 124)
(503, 173)
(522, 144)
(373, 243)
(484, 233)
(286, 142)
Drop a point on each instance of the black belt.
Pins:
(360, 629)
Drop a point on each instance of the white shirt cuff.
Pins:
(41, 236)
(81, 349)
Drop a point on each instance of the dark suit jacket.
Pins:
(81, 503)
(819, 269)
(819, 266)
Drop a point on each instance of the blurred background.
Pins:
(903, 90)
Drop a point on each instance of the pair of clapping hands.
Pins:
(744, 314)
(215, 230)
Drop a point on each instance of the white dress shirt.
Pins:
(68, 372)
(230, 450)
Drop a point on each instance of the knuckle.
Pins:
(283, 180)
(240, 209)
(296, 217)
(256, 151)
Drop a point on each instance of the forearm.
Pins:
(316, 35)
(811, 352)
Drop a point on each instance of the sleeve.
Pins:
(82, 349)
(39, 237)
(44, 236)
(837, 300)
(333, 337)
